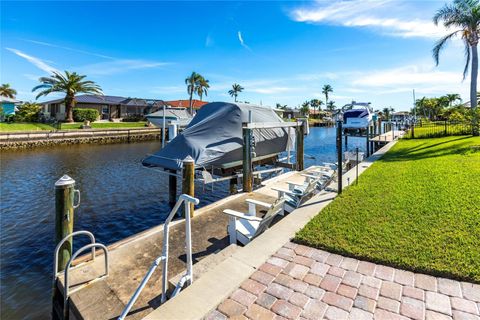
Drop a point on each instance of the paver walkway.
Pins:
(300, 282)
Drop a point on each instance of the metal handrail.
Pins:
(186, 200)
(59, 245)
(74, 256)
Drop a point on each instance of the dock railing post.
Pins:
(188, 181)
(247, 160)
(64, 214)
(300, 131)
(368, 140)
(339, 156)
(172, 188)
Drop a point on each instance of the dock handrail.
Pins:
(59, 245)
(188, 277)
(66, 291)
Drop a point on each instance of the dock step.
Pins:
(206, 264)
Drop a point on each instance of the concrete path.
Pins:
(300, 282)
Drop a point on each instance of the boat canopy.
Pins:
(214, 137)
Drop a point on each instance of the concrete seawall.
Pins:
(26, 140)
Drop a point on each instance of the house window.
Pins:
(105, 110)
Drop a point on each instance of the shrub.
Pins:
(134, 118)
(28, 112)
(81, 114)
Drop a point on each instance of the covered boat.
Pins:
(214, 138)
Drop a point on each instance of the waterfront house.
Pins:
(8, 105)
(109, 107)
(197, 104)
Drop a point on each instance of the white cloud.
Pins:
(242, 42)
(119, 66)
(47, 44)
(384, 16)
(209, 42)
(37, 62)
(169, 89)
(272, 89)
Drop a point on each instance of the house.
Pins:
(197, 104)
(8, 105)
(109, 107)
(400, 116)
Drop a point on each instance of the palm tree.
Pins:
(464, 17)
(202, 87)
(326, 90)
(281, 106)
(192, 87)
(236, 89)
(70, 84)
(305, 109)
(7, 91)
(331, 105)
(316, 103)
(452, 97)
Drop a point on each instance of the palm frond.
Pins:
(467, 63)
(439, 45)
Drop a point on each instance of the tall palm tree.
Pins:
(202, 87)
(70, 84)
(7, 91)
(305, 109)
(236, 89)
(326, 90)
(192, 87)
(464, 17)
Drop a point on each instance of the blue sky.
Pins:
(283, 52)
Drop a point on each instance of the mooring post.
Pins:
(233, 185)
(339, 156)
(300, 131)
(368, 140)
(64, 209)
(346, 141)
(188, 180)
(247, 160)
(172, 187)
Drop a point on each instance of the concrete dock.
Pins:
(131, 258)
(388, 136)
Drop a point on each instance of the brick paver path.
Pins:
(300, 282)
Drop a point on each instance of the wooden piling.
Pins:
(188, 180)
(233, 186)
(64, 214)
(172, 188)
(300, 132)
(247, 160)
(368, 140)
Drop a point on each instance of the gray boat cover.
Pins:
(214, 137)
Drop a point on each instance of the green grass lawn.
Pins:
(438, 129)
(9, 127)
(417, 208)
(104, 125)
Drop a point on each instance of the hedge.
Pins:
(81, 115)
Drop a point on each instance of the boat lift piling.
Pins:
(188, 181)
(339, 156)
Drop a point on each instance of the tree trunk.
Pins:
(191, 105)
(235, 98)
(69, 108)
(473, 90)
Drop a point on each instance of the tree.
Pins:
(236, 89)
(326, 90)
(305, 109)
(316, 103)
(202, 87)
(452, 97)
(192, 87)
(281, 106)
(331, 105)
(70, 84)
(386, 113)
(464, 17)
(28, 112)
(7, 91)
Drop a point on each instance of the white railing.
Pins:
(188, 277)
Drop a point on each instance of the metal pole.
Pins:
(339, 156)
(188, 181)
(368, 141)
(188, 240)
(163, 128)
(64, 214)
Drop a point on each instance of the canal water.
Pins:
(119, 198)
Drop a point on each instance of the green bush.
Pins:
(134, 118)
(81, 115)
(28, 112)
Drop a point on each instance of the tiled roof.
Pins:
(109, 100)
(197, 104)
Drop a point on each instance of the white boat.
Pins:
(173, 116)
(358, 116)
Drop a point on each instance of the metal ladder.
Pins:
(56, 273)
(188, 277)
